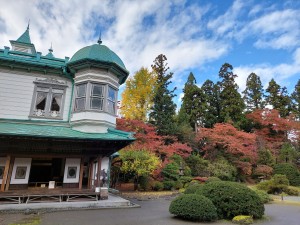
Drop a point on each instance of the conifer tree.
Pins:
(163, 109)
(296, 100)
(193, 102)
(254, 93)
(137, 97)
(211, 93)
(278, 98)
(232, 104)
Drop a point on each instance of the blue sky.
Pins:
(196, 36)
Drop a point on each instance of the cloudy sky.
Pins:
(196, 36)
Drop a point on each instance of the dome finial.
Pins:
(50, 49)
(99, 40)
(28, 24)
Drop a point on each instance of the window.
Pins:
(95, 96)
(111, 100)
(48, 100)
(80, 97)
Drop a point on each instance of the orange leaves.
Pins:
(147, 138)
(230, 139)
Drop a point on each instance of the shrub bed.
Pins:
(192, 188)
(193, 207)
(291, 172)
(232, 199)
(242, 219)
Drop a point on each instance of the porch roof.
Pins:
(55, 131)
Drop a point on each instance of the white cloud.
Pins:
(277, 29)
(227, 23)
(281, 72)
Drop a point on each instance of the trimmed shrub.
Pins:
(170, 171)
(185, 180)
(242, 219)
(274, 186)
(157, 186)
(291, 191)
(223, 170)
(193, 207)
(264, 196)
(169, 184)
(212, 179)
(178, 184)
(192, 188)
(291, 172)
(232, 199)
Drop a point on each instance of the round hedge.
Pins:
(290, 171)
(192, 188)
(193, 207)
(232, 199)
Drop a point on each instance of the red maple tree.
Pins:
(147, 138)
(273, 130)
(230, 142)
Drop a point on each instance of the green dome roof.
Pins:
(98, 52)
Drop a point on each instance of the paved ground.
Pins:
(152, 212)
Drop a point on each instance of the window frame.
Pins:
(49, 98)
(89, 96)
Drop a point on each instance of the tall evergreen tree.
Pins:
(254, 93)
(212, 100)
(163, 109)
(193, 102)
(296, 100)
(278, 98)
(232, 104)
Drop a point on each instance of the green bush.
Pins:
(198, 165)
(264, 196)
(185, 180)
(144, 183)
(169, 184)
(291, 191)
(157, 186)
(192, 188)
(193, 207)
(223, 170)
(178, 184)
(291, 172)
(232, 199)
(242, 219)
(171, 171)
(274, 186)
(212, 179)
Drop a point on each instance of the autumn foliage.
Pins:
(233, 143)
(148, 139)
(272, 129)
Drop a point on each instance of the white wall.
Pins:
(23, 162)
(72, 162)
(16, 91)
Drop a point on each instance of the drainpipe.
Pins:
(70, 109)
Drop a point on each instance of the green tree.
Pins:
(265, 157)
(193, 103)
(163, 109)
(211, 93)
(296, 100)
(278, 98)
(137, 97)
(288, 153)
(232, 104)
(253, 94)
(138, 162)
